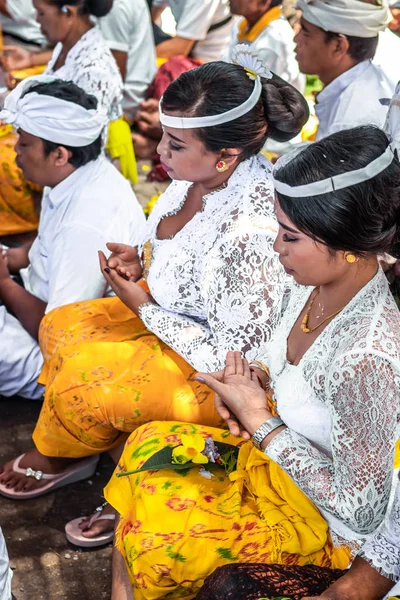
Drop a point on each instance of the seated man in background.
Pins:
(337, 41)
(18, 18)
(267, 31)
(86, 202)
(202, 29)
(128, 31)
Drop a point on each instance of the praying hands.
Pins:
(239, 398)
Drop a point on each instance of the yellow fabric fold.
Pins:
(120, 146)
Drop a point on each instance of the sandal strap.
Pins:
(29, 472)
(98, 515)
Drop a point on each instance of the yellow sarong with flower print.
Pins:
(105, 375)
(176, 527)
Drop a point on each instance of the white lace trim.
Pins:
(382, 550)
(218, 283)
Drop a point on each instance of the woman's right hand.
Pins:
(15, 58)
(125, 260)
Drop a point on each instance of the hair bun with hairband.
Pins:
(254, 68)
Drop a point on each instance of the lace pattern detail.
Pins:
(91, 65)
(341, 407)
(218, 283)
(382, 551)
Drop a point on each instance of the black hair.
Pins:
(97, 8)
(363, 218)
(217, 87)
(66, 90)
(359, 48)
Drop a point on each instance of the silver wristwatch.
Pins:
(259, 436)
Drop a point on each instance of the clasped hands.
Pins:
(239, 398)
(121, 271)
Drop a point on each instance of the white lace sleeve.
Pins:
(362, 397)
(242, 286)
(382, 551)
(106, 89)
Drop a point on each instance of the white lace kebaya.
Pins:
(341, 406)
(217, 283)
(91, 65)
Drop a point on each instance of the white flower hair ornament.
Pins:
(254, 68)
(251, 62)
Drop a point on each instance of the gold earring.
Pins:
(350, 257)
(221, 166)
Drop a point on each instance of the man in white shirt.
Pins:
(202, 29)
(18, 18)
(5, 571)
(266, 30)
(86, 202)
(337, 41)
(128, 31)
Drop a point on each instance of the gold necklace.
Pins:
(304, 323)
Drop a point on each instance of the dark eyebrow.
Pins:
(303, 26)
(176, 138)
(288, 228)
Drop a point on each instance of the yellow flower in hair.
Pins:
(191, 450)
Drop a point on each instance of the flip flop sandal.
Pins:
(74, 532)
(76, 472)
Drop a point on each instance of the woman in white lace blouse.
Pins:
(215, 281)
(317, 479)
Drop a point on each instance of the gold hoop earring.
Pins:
(350, 257)
(221, 166)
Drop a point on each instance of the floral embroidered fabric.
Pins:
(91, 65)
(341, 405)
(218, 283)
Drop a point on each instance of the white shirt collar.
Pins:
(65, 188)
(338, 85)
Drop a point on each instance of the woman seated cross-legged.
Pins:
(215, 282)
(315, 480)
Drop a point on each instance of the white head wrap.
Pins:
(51, 118)
(254, 68)
(349, 17)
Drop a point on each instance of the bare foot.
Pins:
(38, 462)
(99, 526)
(144, 146)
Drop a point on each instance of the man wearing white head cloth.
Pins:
(337, 42)
(86, 202)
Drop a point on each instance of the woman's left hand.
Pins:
(239, 394)
(131, 294)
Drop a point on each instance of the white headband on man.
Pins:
(51, 118)
(349, 17)
(336, 182)
(254, 68)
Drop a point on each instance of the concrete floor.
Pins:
(45, 565)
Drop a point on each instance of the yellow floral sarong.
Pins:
(176, 527)
(105, 375)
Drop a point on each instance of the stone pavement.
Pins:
(45, 565)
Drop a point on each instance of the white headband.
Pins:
(349, 17)
(254, 68)
(337, 182)
(51, 118)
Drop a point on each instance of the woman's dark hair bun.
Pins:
(99, 8)
(286, 110)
